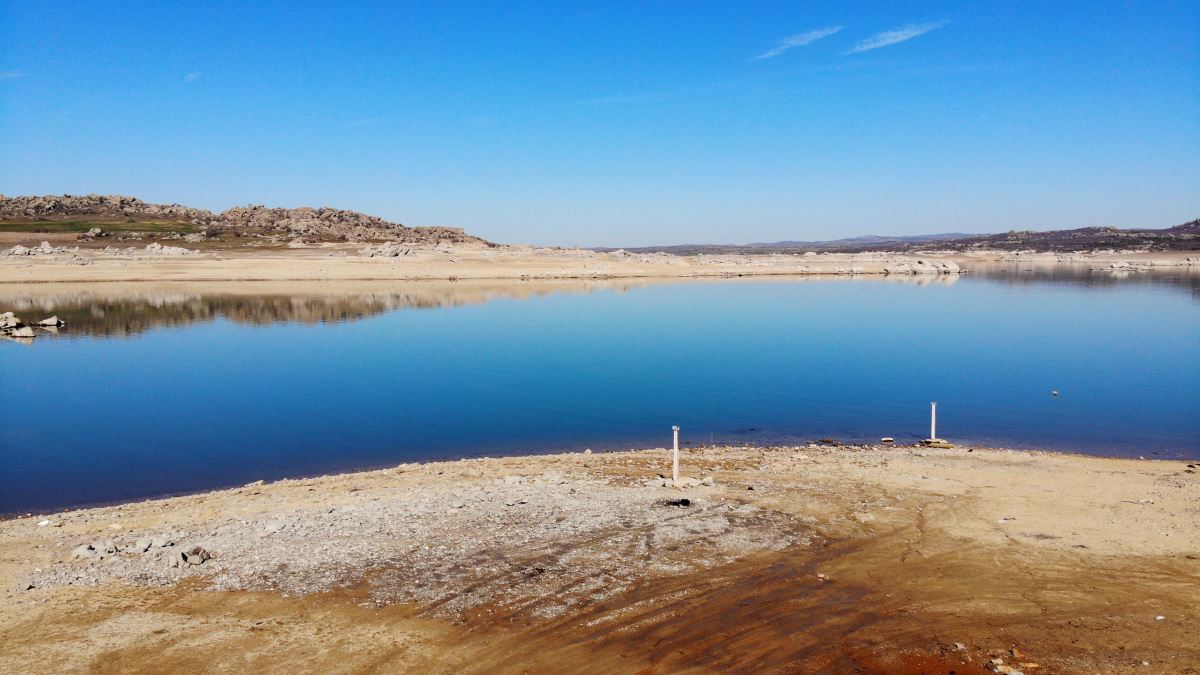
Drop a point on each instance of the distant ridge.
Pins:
(1185, 237)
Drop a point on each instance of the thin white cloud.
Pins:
(895, 36)
(797, 40)
(192, 76)
(10, 74)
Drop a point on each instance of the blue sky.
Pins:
(618, 123)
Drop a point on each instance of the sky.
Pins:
(613, 123)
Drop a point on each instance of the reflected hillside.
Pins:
(123, 310)
(1185, 279)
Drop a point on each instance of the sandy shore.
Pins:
(793, 559)
(342, 262)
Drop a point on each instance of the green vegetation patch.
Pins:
(81, 226)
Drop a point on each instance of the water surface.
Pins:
(163, 389)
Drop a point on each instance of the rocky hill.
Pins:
(127, 213)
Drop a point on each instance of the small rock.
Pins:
(194, 555)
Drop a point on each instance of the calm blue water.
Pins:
(179, 392)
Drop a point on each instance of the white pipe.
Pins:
(675, 457)
(933, 420)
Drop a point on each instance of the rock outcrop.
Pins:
(59, 207)
(317, 223)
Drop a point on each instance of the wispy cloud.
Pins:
(192, 76)
(10, 74)
(797, 40)
(895, 36)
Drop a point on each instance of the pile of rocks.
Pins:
(12, 327)
(388, 250)
(329, 223)
(42, 249)
(158, 249)
(94, 233)
(50, 207)
(921, 266)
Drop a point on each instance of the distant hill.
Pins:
(118, 213)
(1181, 237)
(1185, 237)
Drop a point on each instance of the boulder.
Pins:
(158, 249)
(191, 555)
(52, 321)
(84, 551)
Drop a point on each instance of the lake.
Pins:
(161, 389)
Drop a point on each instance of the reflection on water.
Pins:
(122, 310)
(1182, 278)
(129, 309)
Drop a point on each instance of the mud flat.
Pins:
(807, 558)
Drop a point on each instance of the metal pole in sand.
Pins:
(675, 457)
(933, 420)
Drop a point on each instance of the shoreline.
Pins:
(959, 445)
(873, 557)
(344, 263)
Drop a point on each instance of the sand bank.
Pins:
(797, 558)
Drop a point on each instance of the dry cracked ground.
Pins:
(791, 559)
